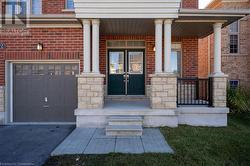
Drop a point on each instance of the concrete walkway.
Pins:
(94, 141)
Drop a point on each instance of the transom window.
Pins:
(234, 38)
(70, 4)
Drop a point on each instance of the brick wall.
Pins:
(190, 4)
(58, 43)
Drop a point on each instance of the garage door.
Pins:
(44, 92)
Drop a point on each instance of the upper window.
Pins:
(35, 7)
(70, 4)
(234, 38)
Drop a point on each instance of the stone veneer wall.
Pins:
(2, 105)
(163, 91)
(90, 91)
(220, 91)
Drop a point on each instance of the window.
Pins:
(176, 61)
(35, 7)
(70, 4)
(234, 37)
(234, 83)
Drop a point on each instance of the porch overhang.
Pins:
(199, 22)
(127, 8)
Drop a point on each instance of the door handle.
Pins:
(46, 106)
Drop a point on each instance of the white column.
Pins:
(167, 45)
(86, 45)
(95, 45)
(217, 49)
(158, 45)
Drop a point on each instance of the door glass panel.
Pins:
(116, 62)
(135, 62)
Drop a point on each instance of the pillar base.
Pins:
(90, 91)
(163, 91)
(219, 89)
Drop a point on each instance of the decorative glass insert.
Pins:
(116, 62)
(70, 4)
(135, 62)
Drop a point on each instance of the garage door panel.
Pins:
(46, 93)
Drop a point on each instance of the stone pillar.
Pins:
(167, 45)
(95, 45)
(163, 91)
(219, 90)
(217, 49)
(90, 91)
(2, 113)
(158, 45)
(86, 45)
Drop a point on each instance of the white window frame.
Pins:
(238, 37)
(30, 6)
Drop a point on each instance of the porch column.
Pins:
(217, 49)
(95, 45)
(86, 45)
(218, 77)
(167, 45)
(158, 45)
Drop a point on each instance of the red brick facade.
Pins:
(190, 4)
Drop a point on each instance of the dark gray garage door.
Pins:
(45, 92)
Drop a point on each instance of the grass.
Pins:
(193, 146)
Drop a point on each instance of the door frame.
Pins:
(9, 112)
(126, 60)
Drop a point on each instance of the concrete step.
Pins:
(124, 130)
(125, 120)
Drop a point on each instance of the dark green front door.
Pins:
(126, 72)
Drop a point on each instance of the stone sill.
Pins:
(68, 10)
(90, 75)
(171, 75)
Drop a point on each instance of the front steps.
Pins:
(124, 126)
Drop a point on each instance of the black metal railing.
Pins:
(194, 91)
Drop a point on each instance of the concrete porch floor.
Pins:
(94, 141)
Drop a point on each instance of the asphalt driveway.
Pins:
(30, 144)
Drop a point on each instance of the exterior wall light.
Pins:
(39, 47)
(154, 49)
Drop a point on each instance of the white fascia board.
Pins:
(127, 8)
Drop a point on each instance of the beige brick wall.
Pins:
(220, 91)
(90, 91)
(163, 91)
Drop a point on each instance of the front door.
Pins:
(126, 72)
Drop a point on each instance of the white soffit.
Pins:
(127, 8)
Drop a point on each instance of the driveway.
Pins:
(30, 144)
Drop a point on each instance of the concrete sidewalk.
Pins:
(94, 141)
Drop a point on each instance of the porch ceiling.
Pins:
(196, 23)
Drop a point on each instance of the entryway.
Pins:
(126, 72)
